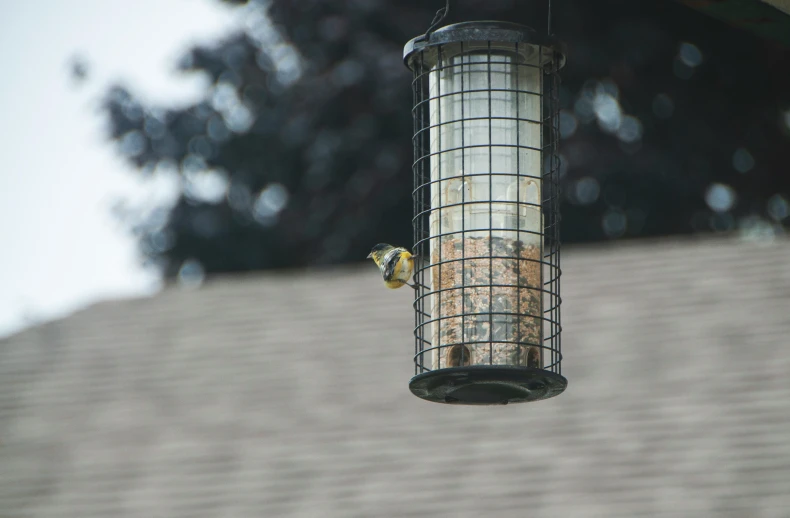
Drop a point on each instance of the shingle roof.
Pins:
(285, 394)
(766, 18)
(782, 5)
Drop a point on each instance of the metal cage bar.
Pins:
(486, 219)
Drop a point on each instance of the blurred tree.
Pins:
(78, 69)
(301, 152)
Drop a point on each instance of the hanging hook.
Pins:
(441, 14)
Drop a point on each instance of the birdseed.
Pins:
(487, 283)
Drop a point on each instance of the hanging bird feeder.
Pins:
(486, 214)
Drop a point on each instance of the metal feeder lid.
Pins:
(486, 30)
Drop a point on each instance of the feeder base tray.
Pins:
(487, 385)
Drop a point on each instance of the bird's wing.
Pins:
(389, 263)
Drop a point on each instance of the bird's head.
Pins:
(379, 251)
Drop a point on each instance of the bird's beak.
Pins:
(369, 255)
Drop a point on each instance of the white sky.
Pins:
(60, 247)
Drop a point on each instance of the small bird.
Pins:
(458, 356)
(396, 264)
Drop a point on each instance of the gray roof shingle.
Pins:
(285, 394)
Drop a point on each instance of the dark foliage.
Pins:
(338, 138)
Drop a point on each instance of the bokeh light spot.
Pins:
(587, 190)
(193, 163)
(568, 124)
(607, 109)
(287, 62)
(584, 109)
(224, 96)
(690, 54)
(630, 129)
(132, 110)
(614, 223)
(133, 143)
(270, 202)
(206, 224)
(154, 128)
(209, 186)
(217, 130)
(778, 207)
(239, 118)
(722, 222)
(563, 164)
(755, 228)
(161, 241)
(720, 197)
(201, 146)
(742, 160)
(663, 107)
(347, 73)
(191, 274)
(607, 87)
(239, 197)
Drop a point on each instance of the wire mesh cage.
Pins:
(486, 214)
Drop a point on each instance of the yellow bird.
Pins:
(396, 264)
